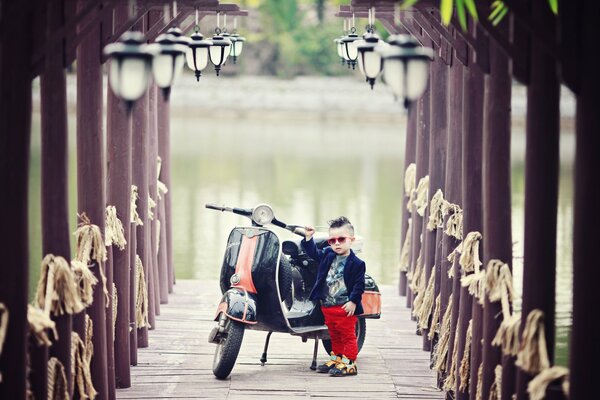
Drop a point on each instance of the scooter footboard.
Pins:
(238, 305)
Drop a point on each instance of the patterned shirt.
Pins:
(337, 293)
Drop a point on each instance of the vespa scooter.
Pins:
(266, 283)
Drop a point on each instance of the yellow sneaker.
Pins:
(345, 367)
(333, 360)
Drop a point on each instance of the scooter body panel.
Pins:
(238, 305)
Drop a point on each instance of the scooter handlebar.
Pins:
(214, 207)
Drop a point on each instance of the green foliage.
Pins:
(499, 10)
(301, 45)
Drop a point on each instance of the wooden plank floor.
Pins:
(179, 360)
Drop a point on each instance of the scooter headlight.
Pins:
(262, 214)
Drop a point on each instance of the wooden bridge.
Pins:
(457, 185)
(178, 361)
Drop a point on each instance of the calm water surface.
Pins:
(311, 166)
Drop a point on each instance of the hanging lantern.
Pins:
(350, 52)
(197, 54)
(406, 68)
(370, 62)
(130, 65)
(168, 62)
(220, 49)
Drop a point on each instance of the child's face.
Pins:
(340, 240)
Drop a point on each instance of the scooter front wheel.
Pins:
(228, 349)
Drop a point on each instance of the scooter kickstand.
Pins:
(313, 366)
(263, 358)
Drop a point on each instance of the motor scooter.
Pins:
(266, 282)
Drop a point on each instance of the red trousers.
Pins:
(341, 330)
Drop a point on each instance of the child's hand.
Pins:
(310, 231)
(349, 307)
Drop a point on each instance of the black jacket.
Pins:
(354, 274)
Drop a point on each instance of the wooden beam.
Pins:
(156, 31)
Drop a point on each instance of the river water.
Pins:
(314, 149)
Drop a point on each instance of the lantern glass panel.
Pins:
(340, 49)
(239, 45)
(179, 63)
(372, 61)
(393, 73)
(216, 55)
(129, 82)
(417, 76)
(162, 69)
(201, 58)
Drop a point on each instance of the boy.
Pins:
(339, 286)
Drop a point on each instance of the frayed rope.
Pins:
(114, 232)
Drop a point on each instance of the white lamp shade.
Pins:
(128, 78)
(351, 51)
(417, 75)
(393, 73)
(197, 58)
(218, 54)
(163, 70)
(238, 45)
(340, 49)
(179, 63)
(372, 64)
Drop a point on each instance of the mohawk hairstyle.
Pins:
(340, 222)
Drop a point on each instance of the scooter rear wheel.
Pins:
(228, 349)
(360, 330)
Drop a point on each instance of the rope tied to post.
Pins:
(415, 276)
(90, 248)
(420, 293)
(162, 188)
(57, 380)
(435, 327)
(85, 280)
(465, 366)
(421, 195)
(507, 336)
(469, 254)
(533, 353)
(141, 300)
(410, 182)
(450, 381)
(537, 386)
(114, 232)
(115, 304)
(39, 323)
(444, 338)
(496, 388)
(479, 391)
(81, 358)
(406, 246)
(499, 285)
(436, 215)
(151, 205)
(426, 306)
(454, 224)
(3, 328)
(135, 217)
(475, 283)
(57, 292)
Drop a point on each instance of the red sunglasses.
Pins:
(341, 239)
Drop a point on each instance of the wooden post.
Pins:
(132, 244)
(54, 169)
(497, 241)
(453, 194)
(119, 195)
(541, 191)
(471, 196)
(422, 161)
(409, 158)
(140, 179)
(584, 346)
(164, 151)
(90, 183)
(438, 136)
(15, 125)
(161, 290)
